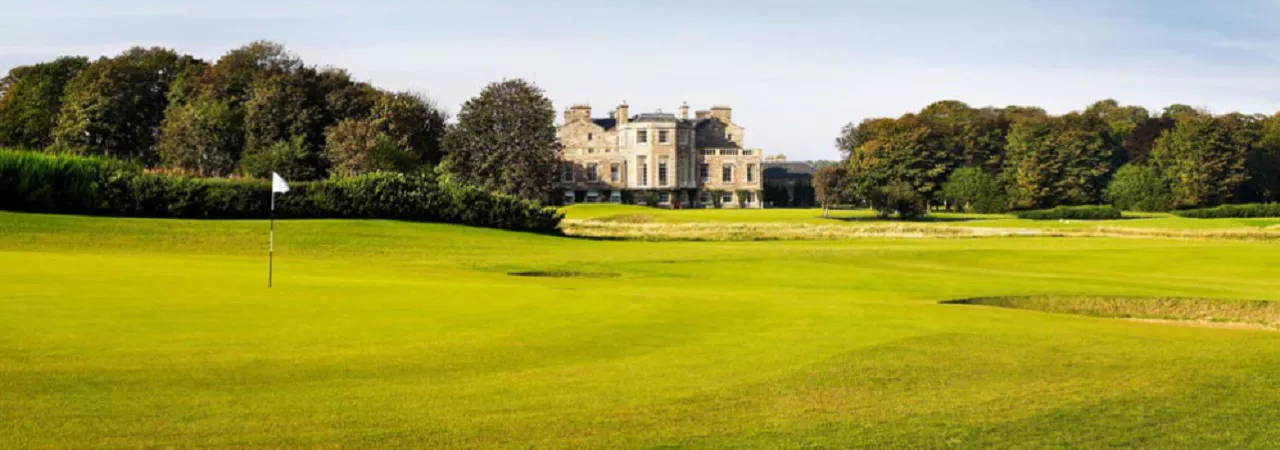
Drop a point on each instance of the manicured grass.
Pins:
(127, 333)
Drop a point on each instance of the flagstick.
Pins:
(271, 246)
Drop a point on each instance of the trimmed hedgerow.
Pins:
(1246, 211)
(37, 182)
(1087, 212)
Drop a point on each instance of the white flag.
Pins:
(278, 184)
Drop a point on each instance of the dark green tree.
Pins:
(974, 190)
(1056, 161)
(115, 106)
(505, 141)
(831, 186)
(889, 151)
(30, 100)
(294, 159)
(1137, 187)
(203, 137)
(359, 146)
(1202, 159)
(413, 123)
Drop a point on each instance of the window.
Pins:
(704, 171)
(726, 173)
(593, 197)
(728, 136)
(566, 173)
(704, 197)
(726, 199)
(615, 197)
(729, 152)
(684, 137)
(589, 136)
(642, 136)
(663, 137)
(751, 173)
(644, 170)
(748, 152)
(614, 172)
(662, 171)
(592, 176)
(707, 152)
(664, 197)
(568, 197)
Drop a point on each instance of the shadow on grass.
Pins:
(562, 274)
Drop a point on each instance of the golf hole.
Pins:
(562, 274)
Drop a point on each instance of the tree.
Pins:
(1056, 161)
(30, 100)
(972, 189)
(831, 185)
(293, 159)
(115, 106)
(897, 197)
(505, 141)
(1137, 187)
(358, 146)
(1202, 159)
(903, 150)
(200, 136)
(412, 122)
(1263, 163)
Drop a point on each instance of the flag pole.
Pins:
(271, 244)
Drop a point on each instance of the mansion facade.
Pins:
(658, 159)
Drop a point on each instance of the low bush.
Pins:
(1246, 211)
(1087, 212)
(37, 182)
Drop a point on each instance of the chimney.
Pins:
(702, 114)
(622, 114)
(684, 110)
(577, 112)
(724, 113)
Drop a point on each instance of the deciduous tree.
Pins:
(505, 141)
(30, 100)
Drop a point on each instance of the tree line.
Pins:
(259, 109)
(989, 159)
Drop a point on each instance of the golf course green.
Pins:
(141, 333)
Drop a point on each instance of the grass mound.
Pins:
(1257, 312)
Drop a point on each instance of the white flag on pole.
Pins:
(278, 184)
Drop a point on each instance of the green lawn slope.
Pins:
(128, 333)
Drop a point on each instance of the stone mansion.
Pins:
(658, 158)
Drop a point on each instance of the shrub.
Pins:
(974, 190)
(898, 197)
(1087, 212)
(1251, 210)
(72, 184)
(1139, 188)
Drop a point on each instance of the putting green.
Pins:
(157, 333)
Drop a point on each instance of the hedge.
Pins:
(36, 182)
(1246, 211)
(1088, 212)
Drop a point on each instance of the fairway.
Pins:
(126, 333)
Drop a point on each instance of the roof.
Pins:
(654, 117)
(787, 168)
(607, 124)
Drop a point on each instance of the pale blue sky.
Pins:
(794, 71)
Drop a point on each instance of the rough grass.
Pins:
(650, 224)
(134, 333)
(1260, 312)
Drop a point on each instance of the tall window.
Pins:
(591, 172)
(662, 171)
(643, 165)
(566, 173)
(589, 136)
(704, 171)
(615, 172)
(726, 173)
(751, 173)
(663, 137)
(642, 136)
(728, 137)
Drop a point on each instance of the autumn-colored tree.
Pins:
(1056, 161)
